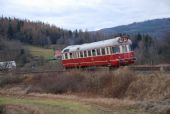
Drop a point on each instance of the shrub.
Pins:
(152, 86)
(8, 79)
(121, 83)
(107, 84)
(2, 109)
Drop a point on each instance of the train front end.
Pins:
(126, 54)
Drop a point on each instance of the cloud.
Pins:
(86, 14)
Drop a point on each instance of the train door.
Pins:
(115, 55)
(124, 54)
(129, 54)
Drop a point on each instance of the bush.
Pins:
(2, 109)
(121, 83)
(5, 80)
(152, 86)
(99, 83)
(59, 83)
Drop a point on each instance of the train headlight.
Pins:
(122, 39)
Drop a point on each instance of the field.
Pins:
(63, 104)
(38, 51)
(34, 105)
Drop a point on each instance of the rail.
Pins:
(133, 68)
(150, 68)
(32, 72)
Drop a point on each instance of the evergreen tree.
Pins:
(10, 31)
(18, 26)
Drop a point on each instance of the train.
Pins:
(110, 53)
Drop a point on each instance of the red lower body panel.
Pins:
(106, 60)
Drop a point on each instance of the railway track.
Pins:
(133, 68)
(33, 72)
(150, 68)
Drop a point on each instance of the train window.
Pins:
(111, 50)
(115, 50)
(124, 49)
(89, 53)
(74, 55)
(78, 54)
(66, 56)
(130, 47)
(98, 51)
(66, 50)
(103, 51)
(94, 52)
(81, 54)
(85, 53)
(71, 55)
(108, 50)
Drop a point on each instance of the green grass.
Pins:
(51, 106)
(38, 51)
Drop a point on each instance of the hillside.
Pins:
(38, 51)
(152, 27)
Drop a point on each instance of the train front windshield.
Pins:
(131, 48)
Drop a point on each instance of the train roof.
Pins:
(99, 44)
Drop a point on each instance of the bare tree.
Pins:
(164, 48)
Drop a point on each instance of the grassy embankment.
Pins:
(46, 106)
(38, 51)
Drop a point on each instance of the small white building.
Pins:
(7, 65)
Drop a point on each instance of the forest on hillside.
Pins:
(155, 27)
(41, 34)
(14, 33)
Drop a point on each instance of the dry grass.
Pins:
(121, 90)
(97, 100)
(106, 84)
(152, 86)
(9, 79)
(120, 84)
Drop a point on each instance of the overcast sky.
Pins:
(86, 14)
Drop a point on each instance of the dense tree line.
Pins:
(149, 50)
(38, 33)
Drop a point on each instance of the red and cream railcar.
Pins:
(113, 53)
